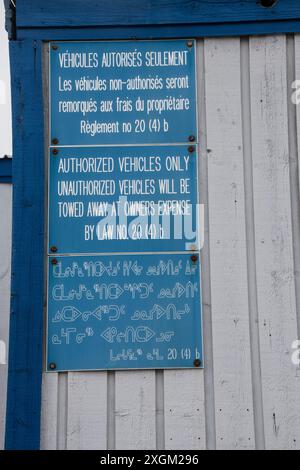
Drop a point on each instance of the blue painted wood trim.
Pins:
(122, 13)
(160, 32)
(26, 319)
(5, 170)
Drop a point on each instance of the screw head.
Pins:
(192, 138)
(194, 258)
(55, 141)
(53, 249)
(54, 47)
(197, 363)
(191, 149)
(55, 151)
(52, 366)
(190, 43)
(54, 262)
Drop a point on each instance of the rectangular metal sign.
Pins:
(123, 199)
(122, 92)
(124, 312)
(123, 217)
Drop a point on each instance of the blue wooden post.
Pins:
(26, 323)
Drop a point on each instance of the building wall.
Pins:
(248, 394)
(5, 256)
(5, 212)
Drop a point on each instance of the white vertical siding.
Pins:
(228, 254)
(248, 395)
(5, 256)
(273, 240)
(49, 422)
(5, 99)
(135, 410)
(87, 411)
(184, 410)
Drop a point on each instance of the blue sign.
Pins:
(124, 312)
(122, 92)
(123, 199)
(123, 193)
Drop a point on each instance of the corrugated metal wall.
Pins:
(5, 257)
(249, 393)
